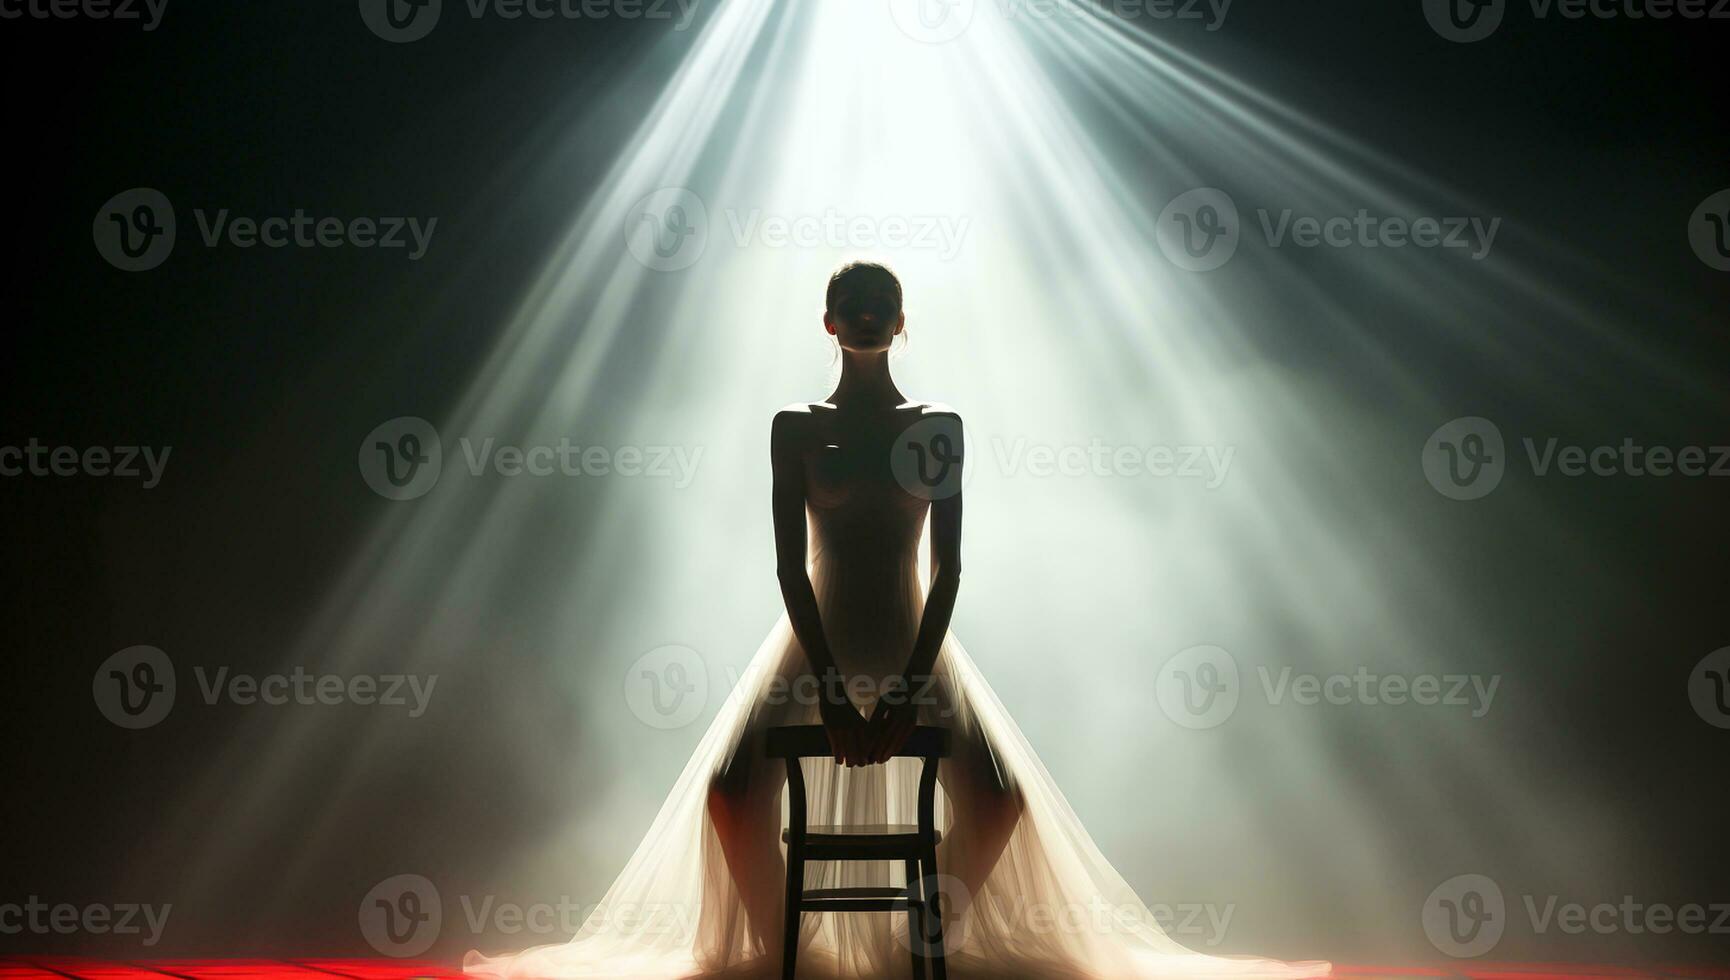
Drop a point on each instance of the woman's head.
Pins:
(863, 307)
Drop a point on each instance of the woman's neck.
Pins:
(865, 382)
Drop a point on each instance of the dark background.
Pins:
(263, 369)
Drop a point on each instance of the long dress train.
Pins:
(1053, 907)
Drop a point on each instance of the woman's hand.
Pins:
(847, 731)
(892, 724)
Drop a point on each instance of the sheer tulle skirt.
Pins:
(1053, 907)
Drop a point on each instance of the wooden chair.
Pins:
(914, 845)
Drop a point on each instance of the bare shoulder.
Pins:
(938, 424)
(936, 409)
(792, 426)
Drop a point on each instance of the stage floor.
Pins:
(62, 967)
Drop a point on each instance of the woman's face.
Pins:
(866, 315)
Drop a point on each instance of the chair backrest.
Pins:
(796, 742)
(811, 741)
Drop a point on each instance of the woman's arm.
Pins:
(897, 715)
(846, 727)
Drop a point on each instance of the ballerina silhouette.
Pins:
(865, 650)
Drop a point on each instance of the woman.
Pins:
(865, 649)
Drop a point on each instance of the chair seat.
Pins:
(889, 836)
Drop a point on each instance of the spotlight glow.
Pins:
(1040, 305)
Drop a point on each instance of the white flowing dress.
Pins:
(1052, 907)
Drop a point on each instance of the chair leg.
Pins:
(915, 932)
(934, 909)
(791, 915)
